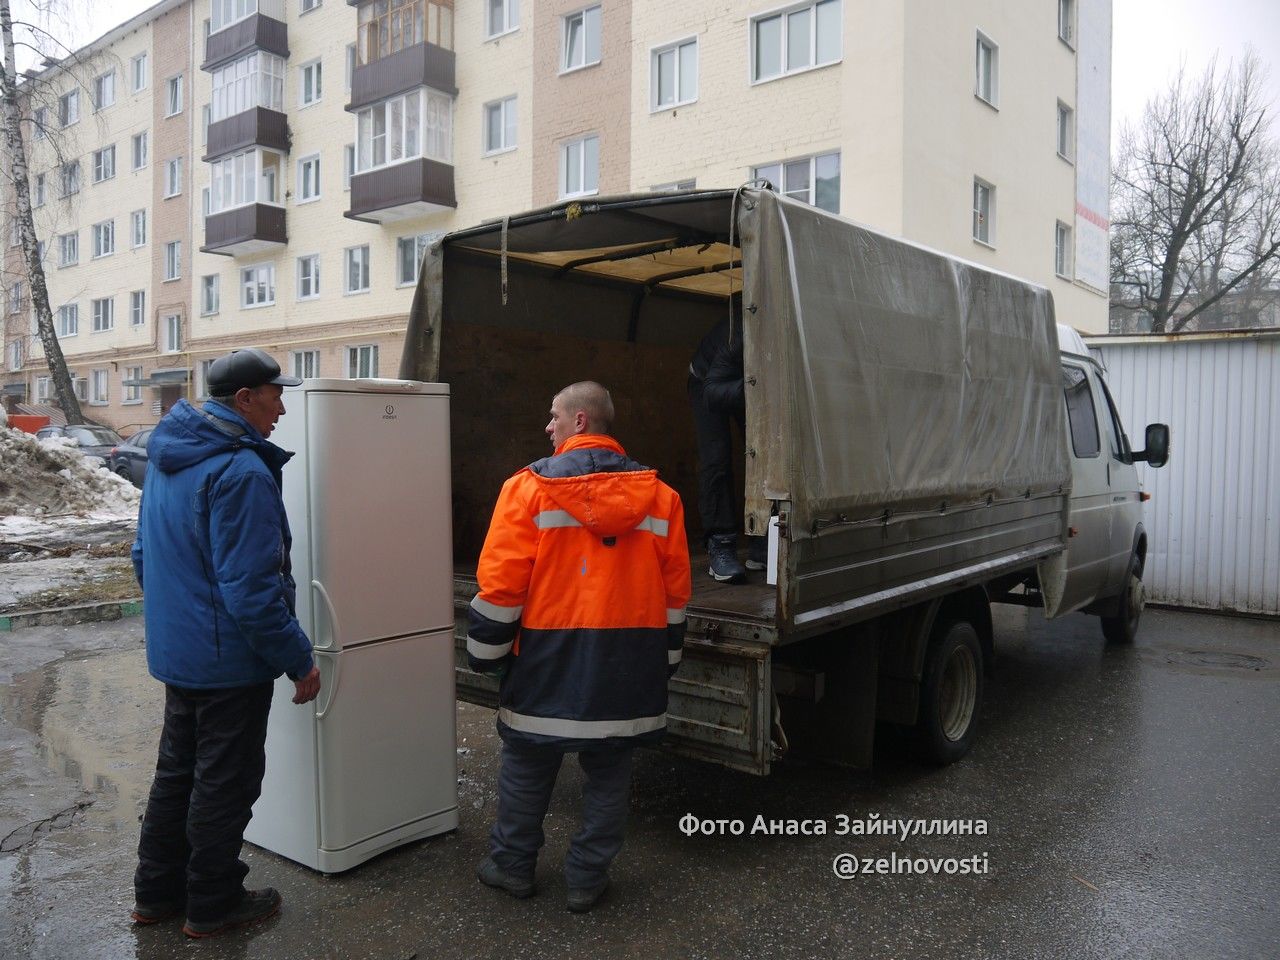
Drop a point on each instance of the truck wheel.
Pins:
(1123, 627)
(950, 694)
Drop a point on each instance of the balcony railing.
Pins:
(386, 26)
(414, 188)
(242, 230)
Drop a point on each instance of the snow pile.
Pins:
(43, 477)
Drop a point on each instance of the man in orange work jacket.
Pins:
(584, 578)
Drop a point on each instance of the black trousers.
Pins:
(713, 431)
(208, 775)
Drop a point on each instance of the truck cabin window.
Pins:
(1080, 413)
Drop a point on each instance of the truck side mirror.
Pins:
(1157, 452)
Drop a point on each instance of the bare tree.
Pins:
(1196, 202)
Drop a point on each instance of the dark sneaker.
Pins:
(145, 914)
(492, 875)
(757, 552)
(582, 899)
(723, 548)
(255, 905)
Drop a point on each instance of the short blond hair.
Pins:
(590, 398)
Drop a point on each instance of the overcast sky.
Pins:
(1150, 39)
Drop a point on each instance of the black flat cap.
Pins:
(245, 368)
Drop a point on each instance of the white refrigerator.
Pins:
(371, 763)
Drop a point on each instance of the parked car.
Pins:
(129, 458)
(94, 441)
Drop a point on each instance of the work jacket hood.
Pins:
(187, 435)
(592, 479)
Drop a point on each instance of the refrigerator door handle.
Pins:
(333, 688)
(318, 587)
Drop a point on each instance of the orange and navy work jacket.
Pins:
(584, 579)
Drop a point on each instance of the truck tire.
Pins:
(950, 694)
(1123, 627)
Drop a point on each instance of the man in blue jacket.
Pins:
(212, 556)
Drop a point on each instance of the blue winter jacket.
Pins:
(212, 554)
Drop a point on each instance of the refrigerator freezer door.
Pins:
(385, 744)
(380, 516)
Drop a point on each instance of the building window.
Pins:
(172, 177)
(306, 6)
(984, 212)
(987, 65)
(206, 118)
(202, 379)
(15, 355)
(580, 167)
(139, 72)
(797, 39)
(42, 389)
(104, 90)
(249, 177)
(581, 46)
(362, 361)
(137, 308)
(501, 16)
(138, 228)
(1067, 21)
(104, 164)
(500, 125)
(173, 333)
(310, 83)
(309, 178)
(419, 123)
(40, 190)
(40, 121)
(173, 96)
(409, 254)
(104, 314)
(68, 249)
(348, 165)
(673, 75)
(15, 297)
(351, 64)
(104, 239)
(100, 387)
(15, 232)
(357, 269)
(208, 295)
(674, 186)
(131, 385)
(69, 108)
(173, 260)
(1062, 250)
(391, 25)
(813, 180)
(306, 363)
(1066, 130)
(140, 150)
(223, 13)
(309, 277)
(70, 178)
(258, 285)
(253, 81)
(69, 320)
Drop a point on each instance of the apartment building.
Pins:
(328, 143)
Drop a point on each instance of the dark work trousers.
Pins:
(208, 775)
(525, 783)
(713, 431)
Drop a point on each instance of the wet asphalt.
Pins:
(1128, 797)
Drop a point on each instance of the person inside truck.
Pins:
(719, 405)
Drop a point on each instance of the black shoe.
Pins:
(723, 548)
(145, 914)
(582, 899)
(757, 553)
(255, 905)
(492, 875)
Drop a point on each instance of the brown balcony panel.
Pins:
(257, 127)
(257, 32)
(412, 189)
(244, 230)
(422, 65)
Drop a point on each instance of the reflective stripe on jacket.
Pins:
(584, 579)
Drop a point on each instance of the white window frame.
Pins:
(580, 189)
(300, 360)
(507, 124)
(988, 216)
(811, 192)
(350, 256)
(245, 178)
(68, 320)
(348, 166)
(130, 395)
(137, 229)
(173, 96)
(103, 90)
(253, 277)
(1062, 265)
(210, 294)
(69, 176)
(421, 243)
(507, 21)
(15, 355)
(350, 72)
(104, 163)
(172, 333)
(172, 177)
(15, 297)
(429, 102)
(39, 122)
(137, 308)
(101, 392)
(656, 103)
(225, 13)
(990, 97)
(172, 261)
(140, 150)
(138, 72)
(675, 185)
(71, 240)
(362, 361)
(1067, 22)
(1065, 132)
(102, 314)
(206, 118)
(41, 190)
(307, 267)
(306, 6)
(202, 379)
(104, 239)
(315, 68)
(69, 109)
(309, 171)
(588, 18)
(784, 15)
(254, 80)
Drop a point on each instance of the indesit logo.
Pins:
(390, 414)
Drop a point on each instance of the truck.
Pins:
(922, 440)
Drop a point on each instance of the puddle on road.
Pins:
(1212, 663)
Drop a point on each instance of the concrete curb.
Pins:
(65, 616)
